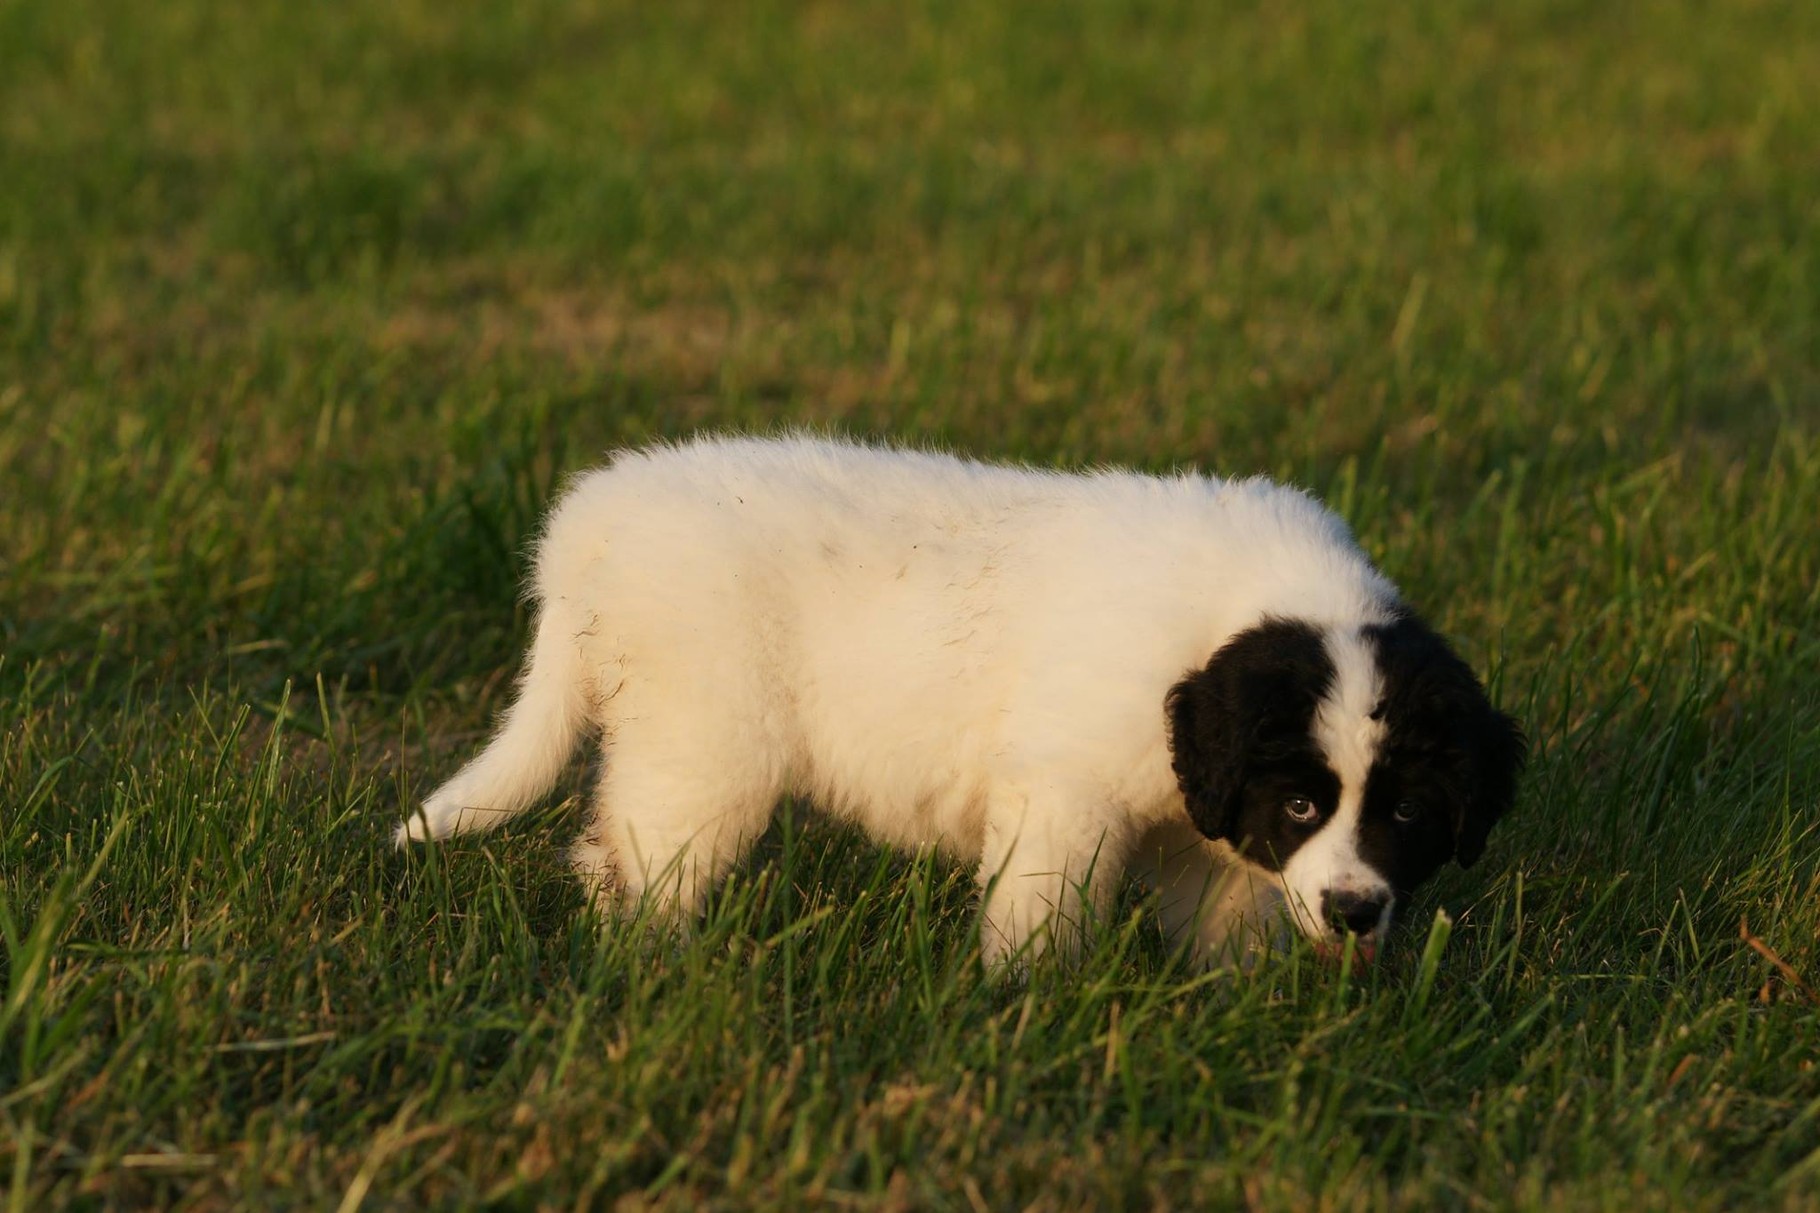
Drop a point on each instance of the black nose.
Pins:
(1355, 912)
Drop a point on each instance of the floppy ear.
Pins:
(1496, 750)
(1254, 698)
(1437, 705)
(1206, 748)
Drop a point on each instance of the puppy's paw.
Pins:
(1008, 959)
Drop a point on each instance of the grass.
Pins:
(305, 310)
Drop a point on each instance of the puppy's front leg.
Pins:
(1046, 878)
(1224, 910)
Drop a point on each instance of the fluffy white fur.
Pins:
(951, 654)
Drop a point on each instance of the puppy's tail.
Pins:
(528, 752)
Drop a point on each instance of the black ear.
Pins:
(1496, 750)
(1435, 707)
(1251, 703)
(1206, 748)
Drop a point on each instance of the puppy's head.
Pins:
(1353, 762)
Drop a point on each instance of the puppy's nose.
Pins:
(1355, 912)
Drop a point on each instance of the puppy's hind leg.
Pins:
(528, 752)
(674, 812)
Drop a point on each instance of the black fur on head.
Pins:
(1242, 742)
(1239, 734)
(1438, 721)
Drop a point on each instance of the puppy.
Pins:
(1059, 677)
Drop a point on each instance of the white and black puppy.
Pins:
(1060, 677)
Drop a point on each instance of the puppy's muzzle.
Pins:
(1359, 913)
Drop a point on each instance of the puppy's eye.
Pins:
(1300, 808)
(1407, 811)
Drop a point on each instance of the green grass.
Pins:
(305, 310)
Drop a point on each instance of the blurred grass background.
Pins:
(305, 311)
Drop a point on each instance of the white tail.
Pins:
(528, 752)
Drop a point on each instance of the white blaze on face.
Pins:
(1329, 862)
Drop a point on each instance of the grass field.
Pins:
(305, 310)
